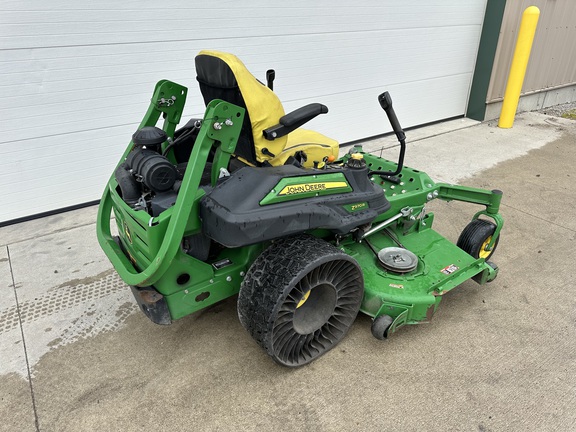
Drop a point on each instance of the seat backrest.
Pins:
(224, 76)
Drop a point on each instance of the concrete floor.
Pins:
(76, 355)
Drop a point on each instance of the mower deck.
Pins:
(412, 297)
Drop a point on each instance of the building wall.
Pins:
(552, 63)
(76, 77)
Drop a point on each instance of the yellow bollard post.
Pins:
(519, 65)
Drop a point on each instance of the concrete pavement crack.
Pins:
(36, 422)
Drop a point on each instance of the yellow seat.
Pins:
(224, 76)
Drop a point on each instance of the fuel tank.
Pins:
(253, 205)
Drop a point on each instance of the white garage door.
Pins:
(76, 76)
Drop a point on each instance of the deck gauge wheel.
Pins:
(476, 237)
(380, 326)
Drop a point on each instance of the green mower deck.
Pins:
(156, 254)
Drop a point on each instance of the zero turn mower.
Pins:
(246, 202)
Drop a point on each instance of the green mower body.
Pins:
(217, 231)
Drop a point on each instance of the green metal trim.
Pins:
(207, 287)
(487, 275)
(296, 188)
(491, 199)
(498, 219)
(485, 60)
(400, 321)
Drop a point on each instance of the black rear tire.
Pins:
(299, 299)
(476, 236)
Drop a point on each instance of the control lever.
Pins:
(386, 104)
(270, 76)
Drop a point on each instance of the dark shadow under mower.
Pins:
(305, 248)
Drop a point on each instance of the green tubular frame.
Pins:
(157, 240)
(491, 199)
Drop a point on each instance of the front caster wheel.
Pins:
(380, 326)
(476, 237)
(300, 298)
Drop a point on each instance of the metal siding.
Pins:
(76, 77)
(553, 57)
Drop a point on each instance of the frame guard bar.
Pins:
(225, 138)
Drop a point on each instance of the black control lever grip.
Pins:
(386, 104)
(270, 76)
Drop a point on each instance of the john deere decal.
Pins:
(311, 187)
(302, 187)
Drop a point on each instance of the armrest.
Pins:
(294, 120)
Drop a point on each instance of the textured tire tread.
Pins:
(278, 270)
(474, 235)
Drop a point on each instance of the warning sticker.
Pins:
(450, 269)
(396, 286)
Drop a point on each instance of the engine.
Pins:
(147, 179)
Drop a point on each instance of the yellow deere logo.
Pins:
(311, 187)
(127, 232)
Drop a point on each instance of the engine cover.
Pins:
(260, 204)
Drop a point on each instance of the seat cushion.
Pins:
(225, 73)
(262, 104)
(315, 145)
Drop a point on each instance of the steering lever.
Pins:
(386, 104)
